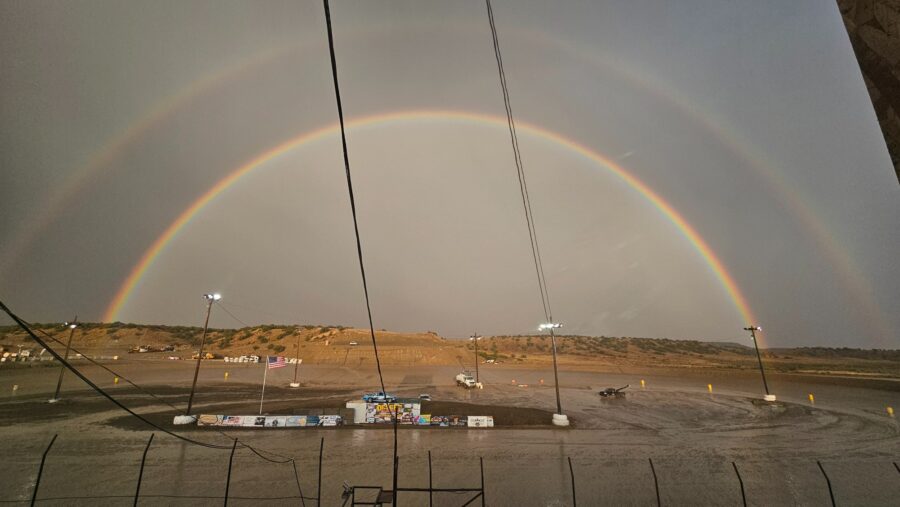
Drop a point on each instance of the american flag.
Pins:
(275, 362)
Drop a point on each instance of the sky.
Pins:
(692, 166)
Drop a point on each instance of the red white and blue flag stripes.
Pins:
(276, 361)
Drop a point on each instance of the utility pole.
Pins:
(210, 298)
(558, 418)
(474, 338)
(753, 330)
(62, 368)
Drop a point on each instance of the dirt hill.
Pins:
(345, 346)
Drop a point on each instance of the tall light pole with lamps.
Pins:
(559, 419)
(62, 368)
(210, 299)
(753, 330)
(474, 339)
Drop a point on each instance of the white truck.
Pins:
(465, 379)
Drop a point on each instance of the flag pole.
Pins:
(261, 396)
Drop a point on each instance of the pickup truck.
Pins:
(465, 379)
(379, 397)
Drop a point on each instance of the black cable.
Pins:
(108, 396)
(362, 268)
(523, 185)
(173, 407)
(233, 303)
(359, 253)
(219, 303)
(97, 388)
(109, 370)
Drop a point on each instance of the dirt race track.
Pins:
(692, 436)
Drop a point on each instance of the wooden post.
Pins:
(228, 479)
(430, 483)
(137, 492)
(827, 481)
(741, 481)
(481, 465)
(572, 473)
(37, 482)
(319, 489)
(655, 482)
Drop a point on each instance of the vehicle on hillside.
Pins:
(379, 397)
(425, 397)
(465, 379)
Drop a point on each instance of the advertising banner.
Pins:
(381, 413)
(480, 421)
(330, 420)
(294, 421)
(210, 420)
(270, 421)
(457, 420)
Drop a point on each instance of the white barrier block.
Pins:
(185, 419)
(560, 420)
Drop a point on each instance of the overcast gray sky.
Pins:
(749, 119)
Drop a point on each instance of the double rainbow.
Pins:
(159, 245)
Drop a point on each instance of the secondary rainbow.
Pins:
(152, 253)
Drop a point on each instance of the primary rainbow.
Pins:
(149, 256)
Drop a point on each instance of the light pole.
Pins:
(753, 330)
(474, 339)
(297, 363)
(559, 418)
(62, 368)
(210, 298)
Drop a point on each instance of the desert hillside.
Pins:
(345, 346)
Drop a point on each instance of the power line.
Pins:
(523, 185)
(97, 388)
(558, 418)
(27, 328)
(160, 400)
(109, 370)
(232, 315)
(359, 253)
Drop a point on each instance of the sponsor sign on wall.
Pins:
(269, 421)
(380, 413)
(480, 421)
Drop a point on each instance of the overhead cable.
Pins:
(520, 171)
(359, 252)
(99, 389)
(258, 452)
